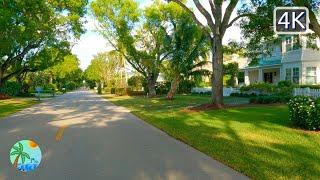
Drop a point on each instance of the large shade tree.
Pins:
(140, 38)
(30, 30)
(218, 21)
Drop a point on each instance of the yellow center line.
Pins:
(60, 133)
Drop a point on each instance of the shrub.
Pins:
(50, 87)
(283, 88)
(282, 84)
(11, 88)
(120, 91)
(304, 112)
(136, 82)
(136, 93)
(185, 86)
(113, 90)
(269, 99)
(163, 88)
(247, 95)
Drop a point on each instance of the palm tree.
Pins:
(18, 152)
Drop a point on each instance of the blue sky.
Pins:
(92, 42)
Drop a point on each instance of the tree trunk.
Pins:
(217, 78)
(152, 88)
(1, 78)
(50, 78)
(152, 79)
(99, 88)
(16, 161)
(173, 89)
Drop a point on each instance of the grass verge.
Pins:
(10, 106)
(258, 141)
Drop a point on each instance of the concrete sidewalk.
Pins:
(101, 141)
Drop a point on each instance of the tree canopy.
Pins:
(137, 34)
(34, 33)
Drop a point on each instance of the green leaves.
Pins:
(31, 29)
(107, 68)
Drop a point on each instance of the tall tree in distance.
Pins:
(106, 69)
(218, 22)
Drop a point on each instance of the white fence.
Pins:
(315, 93)
(226, 91)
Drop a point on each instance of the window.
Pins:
(311, 77)
(295, 76)
(288, 75)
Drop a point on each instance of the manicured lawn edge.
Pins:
(273, 149)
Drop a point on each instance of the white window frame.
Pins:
(311, 72)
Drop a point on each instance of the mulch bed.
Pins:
(4, 96)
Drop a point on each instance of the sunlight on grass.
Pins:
(257, 141)
(11, 106)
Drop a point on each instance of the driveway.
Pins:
(83, 136)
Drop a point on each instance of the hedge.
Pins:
(269, 99)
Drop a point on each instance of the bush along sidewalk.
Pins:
(304, 112)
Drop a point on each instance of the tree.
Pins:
(188, 45)
(106, 70)
(19, 153)
(258, 28)
(218, 23)
(66, 72)
(140, 39)
(313, 6)
(29, 28)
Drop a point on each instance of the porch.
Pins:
(254, 75)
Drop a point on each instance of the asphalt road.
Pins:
(83, 136)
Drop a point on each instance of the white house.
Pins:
(292, 60)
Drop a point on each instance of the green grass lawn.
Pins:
(11, 106)
(257, 141)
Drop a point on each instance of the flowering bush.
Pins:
(305, 112)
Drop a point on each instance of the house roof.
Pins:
(265, 63)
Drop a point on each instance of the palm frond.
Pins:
(20, 146)
(23, 159)
(25, 155)
(14, 153)
(16, 148)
